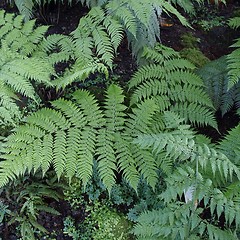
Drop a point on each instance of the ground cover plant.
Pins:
(128, 158)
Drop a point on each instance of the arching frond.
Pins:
(171, 83)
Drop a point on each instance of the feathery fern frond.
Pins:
(20, 67)
(216, 80)
(72, 134)
(170, 79)
(234, 22)
(230, 145)
(233, 58)
(233, 65)
(66, 141)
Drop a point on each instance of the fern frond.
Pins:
(233, 67)
(126, 161)
(149, 89)
(24, 64)
(86, 151)
(146, 164)
(58, 138)
(140, 119)
(114, 109)
(25, 7)
(189, 93)
(90, 108)
(195, 113)
(107, 163)
(172, 81)
(234, 22)
(80, 72)
(230, 145)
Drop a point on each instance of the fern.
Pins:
(169, 80)
(20, 67)
(72, 134)
(216, 80)
(230, 145)
(204, 170)
(233, 58)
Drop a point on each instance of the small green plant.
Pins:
(70, 229)
(27, 198)
(188, 40)
(207, 17)
(106, 223)
(4, 210)
(191, 50)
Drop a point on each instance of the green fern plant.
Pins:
(31, 202)
(139, 20)
(170, 81)
(71, 135)
(92, 47)
(21, 66)
(215, 76)
(233, 58)
(199, 192)
(74, 133)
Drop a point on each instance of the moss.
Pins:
(191, 51)
(195, 56)
(189, 41)
(106, 223)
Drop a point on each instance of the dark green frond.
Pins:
(230, 145)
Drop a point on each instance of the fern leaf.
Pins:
(47, 153)
(114, 109)
(85, 155)
(126, 161)
(195, 113)
(59, 152)
(74, 115)
(106, 158)
(230, 145)
(115, 31)
(149, 89)
(72, 150)
(140, 119)
(146, 165)
(234, 22)
(90, 108)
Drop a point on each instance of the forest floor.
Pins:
(214, 38)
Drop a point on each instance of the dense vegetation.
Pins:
(133, 158)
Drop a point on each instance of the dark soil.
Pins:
(64, 19)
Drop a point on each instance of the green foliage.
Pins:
(4, 210)
(216, 80)
(230, 145)
(208, 17)
(69, 136)
(102, 222)
(188, 40)
(27, 198)
(22, 67)
(191, 51)
(107, 19)
(107, 223)
(71, 230)
(170, 81)
(92, 46)
(201, 180)
(233, 58)
(195, 56)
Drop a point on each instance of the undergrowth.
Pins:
(137, 151)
